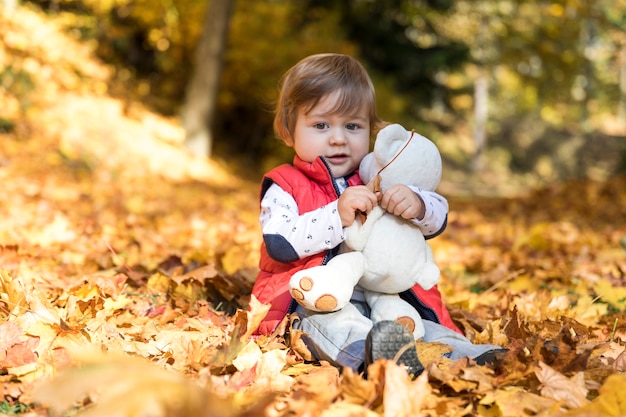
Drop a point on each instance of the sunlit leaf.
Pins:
(402, 396)
(611, 401)
(570, 391)
(609, 293)
(512, 402)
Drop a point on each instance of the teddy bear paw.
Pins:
(407, 322)
(325, 302)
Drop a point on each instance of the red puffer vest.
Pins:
(312, 186)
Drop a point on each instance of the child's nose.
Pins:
(338, 137)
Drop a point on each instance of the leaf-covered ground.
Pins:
(122, 255)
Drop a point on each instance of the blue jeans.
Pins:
(339, 337)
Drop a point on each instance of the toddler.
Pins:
(326, 112)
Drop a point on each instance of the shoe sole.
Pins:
(391, 340)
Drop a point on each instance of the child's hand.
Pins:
(353, 199)
(401, 201)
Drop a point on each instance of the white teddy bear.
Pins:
(384, 255)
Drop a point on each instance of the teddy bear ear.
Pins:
(368, 168)
(416, 163)
(389, 141)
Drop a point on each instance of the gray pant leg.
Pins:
(461, 345)
(337, 337)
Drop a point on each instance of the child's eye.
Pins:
(320, 125)
(352, 126)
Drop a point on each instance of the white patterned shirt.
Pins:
(320, 230)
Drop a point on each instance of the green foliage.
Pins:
(552, 65)
(18, 83)
(397, 37)
(13, 408)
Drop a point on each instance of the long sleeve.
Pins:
(436, 213)
(308, 233)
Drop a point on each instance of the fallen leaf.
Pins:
(248, 357)
(569, 391)
(516, 402)
(403, 397)
(431, 352)
(610, 403)
(610, 293)
(125, 386)
(256, 313)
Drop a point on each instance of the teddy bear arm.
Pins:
(328, 287)
(430, 273)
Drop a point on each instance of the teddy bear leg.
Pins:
(392, 307)
(328, 287)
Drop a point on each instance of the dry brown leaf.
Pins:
(431, 352)
(569, 391)
(620, 362)
(482, 375)
(320, 384)
(449, 373)
(516, 402)
(256, 313)
(199, 274)
(403, 397)
(357, 390)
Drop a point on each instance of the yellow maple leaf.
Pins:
(609, 293)
(587, 311)
(610, 403)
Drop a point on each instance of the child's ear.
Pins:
(288, 141)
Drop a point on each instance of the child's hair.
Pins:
(316, 76)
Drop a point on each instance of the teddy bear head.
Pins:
(402, 157)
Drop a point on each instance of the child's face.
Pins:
(343, 140)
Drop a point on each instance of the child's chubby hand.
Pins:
(353, 199)
(401, 201)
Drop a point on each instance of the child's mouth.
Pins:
(337, 159)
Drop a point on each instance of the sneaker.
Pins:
(391, 340)
(491, 357)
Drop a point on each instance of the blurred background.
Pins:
(516, 94)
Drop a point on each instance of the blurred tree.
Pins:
(9, 5)
(535, 77)
(397, 39)
(266, 38)
(198, 110)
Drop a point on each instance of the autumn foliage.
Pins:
(126, 267)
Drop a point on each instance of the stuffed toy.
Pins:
(383, 254)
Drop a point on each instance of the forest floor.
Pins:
(126, 266)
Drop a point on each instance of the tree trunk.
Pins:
(201, 95)
(621, 111)
(481, 114)
(481, 97)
